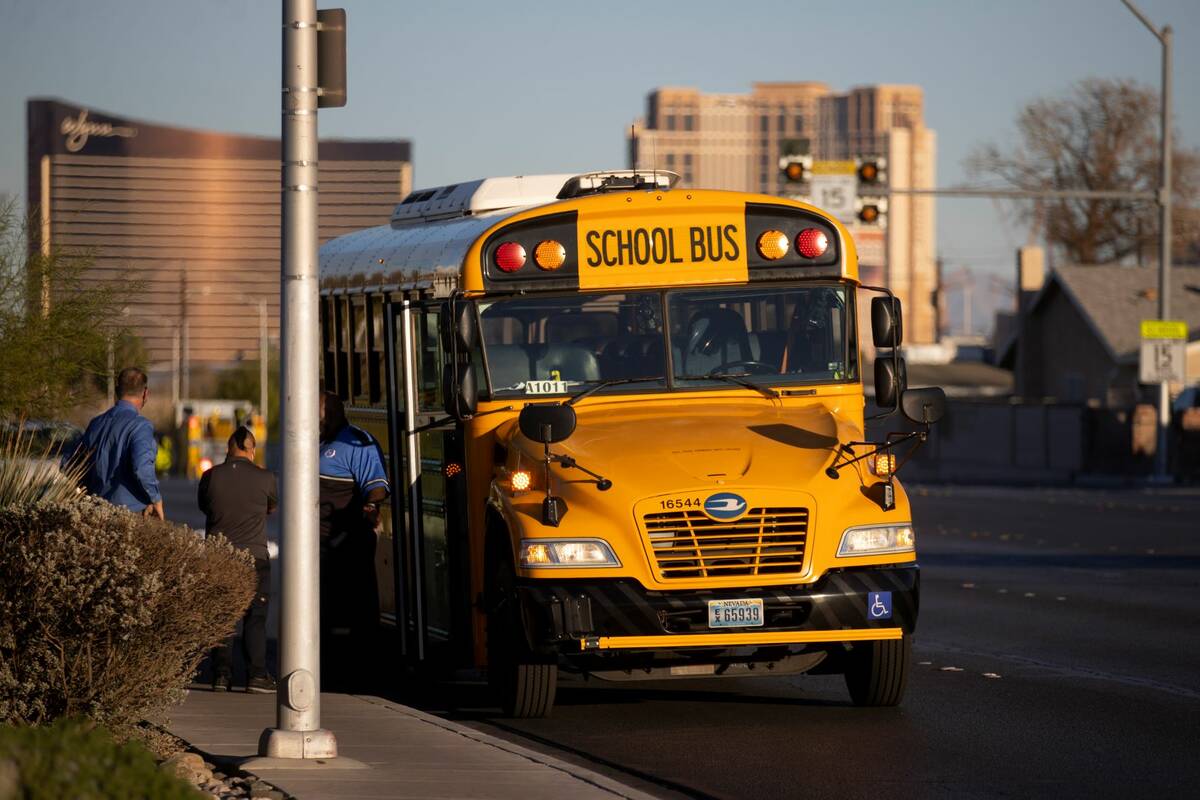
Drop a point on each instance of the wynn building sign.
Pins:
(78, 130)
(191, 218)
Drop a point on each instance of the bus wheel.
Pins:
(877, 672)
(524, 683)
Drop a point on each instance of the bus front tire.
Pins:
(877, 672)
(524, 683)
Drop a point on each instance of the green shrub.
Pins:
(105, 614)
(72, 759)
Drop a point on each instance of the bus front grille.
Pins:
(690, 544)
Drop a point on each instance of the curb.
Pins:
(603, 782)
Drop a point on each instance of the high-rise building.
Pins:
(735, 141)
(191, 219)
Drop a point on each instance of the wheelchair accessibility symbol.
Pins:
(879, 605)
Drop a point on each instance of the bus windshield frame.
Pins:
(775, 334)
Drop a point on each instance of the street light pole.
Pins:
(298, 732)
(1165, 36)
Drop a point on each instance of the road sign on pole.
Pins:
(835, 188)
(1164, 352)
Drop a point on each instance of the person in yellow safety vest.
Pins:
(165, 457)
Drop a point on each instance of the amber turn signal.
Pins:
(883, 464)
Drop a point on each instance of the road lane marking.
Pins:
(1062, 669)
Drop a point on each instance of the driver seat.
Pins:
(716, 336)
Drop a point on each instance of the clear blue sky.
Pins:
(522, 87)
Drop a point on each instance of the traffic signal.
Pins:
(872, 198)
(795, 168)
(872, 171)
(872, 211)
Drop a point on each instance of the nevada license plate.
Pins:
(743, 613)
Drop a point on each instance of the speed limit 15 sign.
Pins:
(836, 195)
(1163, 352)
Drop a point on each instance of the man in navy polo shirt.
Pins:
(353, 485)
(119, 449)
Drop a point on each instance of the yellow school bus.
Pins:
(625, 427)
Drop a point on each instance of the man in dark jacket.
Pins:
(236, 498)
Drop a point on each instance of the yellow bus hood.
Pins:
(653, 448)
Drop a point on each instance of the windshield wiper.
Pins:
(575, 398)
(735, 378)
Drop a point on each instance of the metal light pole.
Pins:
(1164, 205)
(298, 732)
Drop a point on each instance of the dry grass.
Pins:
(29, 475)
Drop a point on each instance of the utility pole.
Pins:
(175, 356)
(112, 380)
(298, 733)
(262, 361)
(1165, 37)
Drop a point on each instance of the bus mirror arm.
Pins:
(602, 483)
(553, 506)
(848, 450)
(437, 423)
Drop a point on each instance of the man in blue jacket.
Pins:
(119, 449)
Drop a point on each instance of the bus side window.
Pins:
(328, 376)
(358, 348)
(429, 360)
(341, 345)
(375, 346)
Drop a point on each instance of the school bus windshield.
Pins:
(782, 335)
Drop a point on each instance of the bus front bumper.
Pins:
(594, 616)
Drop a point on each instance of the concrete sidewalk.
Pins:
(407, 753)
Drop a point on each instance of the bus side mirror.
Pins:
(547, 423)
(459, 333)
(924, 406)
(459, 393)
(890, 381)
(458, 321)
(886, 323)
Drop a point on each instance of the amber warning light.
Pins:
(550, 255)
(773, 245)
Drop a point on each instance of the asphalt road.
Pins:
(1057, 655)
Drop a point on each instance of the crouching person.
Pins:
(236, 498)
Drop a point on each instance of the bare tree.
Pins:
(1101, 134)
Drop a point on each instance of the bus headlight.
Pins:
(869, 540)
(544, 553)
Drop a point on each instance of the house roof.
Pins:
(1115, 299)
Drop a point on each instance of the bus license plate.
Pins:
(744, 613)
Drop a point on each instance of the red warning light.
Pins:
(812, 243)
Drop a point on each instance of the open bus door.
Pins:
(429, 509)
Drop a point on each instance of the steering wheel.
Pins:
(753, 367)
